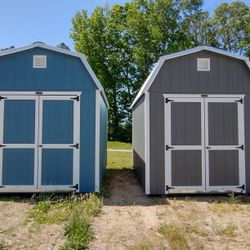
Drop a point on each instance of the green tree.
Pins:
(121, 44)
(194, 24)
(230, 27)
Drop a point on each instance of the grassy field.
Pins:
(119, 160)
(119, 145)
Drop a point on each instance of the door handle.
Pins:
(208, 147)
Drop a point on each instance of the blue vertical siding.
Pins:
(103, 137)
(19, 121)
(18, 166)
(57, 167)
(58, 121)
(63, 73)
(87, 145)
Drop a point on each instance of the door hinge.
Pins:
(167, 100)
(75, 146)
(203, 95)
(2, 146)
(74, 186)
(75, 98)
(168, 188)
(39, 93)
(2, 98)
(242, 187)
(240, 101)
(241, 147)
(168, 147)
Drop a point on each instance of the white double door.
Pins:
(39, 142)
(204, 139)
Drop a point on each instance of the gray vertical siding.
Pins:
(180, 76)
(138, 139)
(223, 123)
(186, 167)
(220, 162)
(186, 123)
(157, 147)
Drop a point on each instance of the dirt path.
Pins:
(18, 231)
(131, 220)
(127, 217)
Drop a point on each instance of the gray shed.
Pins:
(191, 124)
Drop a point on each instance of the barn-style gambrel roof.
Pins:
(63, 51)
(145, 87)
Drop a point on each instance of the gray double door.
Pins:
(39, 142)
(204, 139)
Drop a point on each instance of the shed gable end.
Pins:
(180, 75)
(62, 72)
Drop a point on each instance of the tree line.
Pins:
(123, 42)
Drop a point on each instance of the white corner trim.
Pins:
(147, 144)
(97, 141)
(145, 87)
(63, 51)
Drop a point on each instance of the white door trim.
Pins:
(168, 160)
(76, 139)
(147, 142)
(241, 141)
(204, 114)
(13, 145)
(97, 140)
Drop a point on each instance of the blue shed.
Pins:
(53, 121)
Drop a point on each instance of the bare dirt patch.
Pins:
(19, 231)
(131, 220)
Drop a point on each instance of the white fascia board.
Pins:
(145, 87)
(148, 81)
(66, 52)
(97, 141)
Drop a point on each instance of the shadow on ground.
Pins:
(123, 189)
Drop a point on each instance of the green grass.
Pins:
(119, 145)
(175, 236)
(3, 246)
(78, 229)
(119, 160)
(228, 231)
(76, 212)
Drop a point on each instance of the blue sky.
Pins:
(25, 21)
